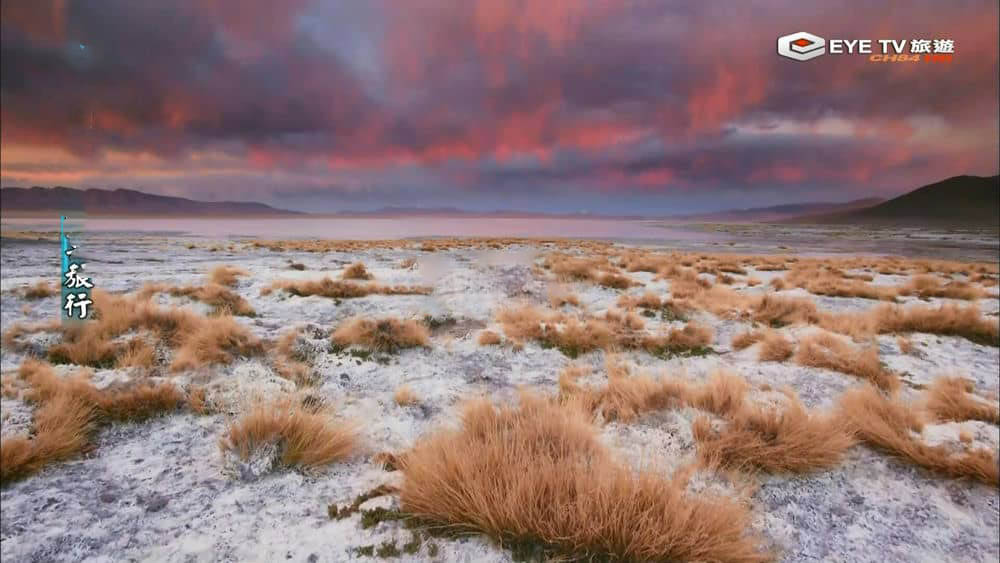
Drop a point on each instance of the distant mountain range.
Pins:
(779, 212)
(122, 202)
(957, 201)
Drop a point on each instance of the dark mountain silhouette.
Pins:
(779, 212)
(122, 202)
(957, 201)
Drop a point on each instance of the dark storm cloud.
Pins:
(287, 100)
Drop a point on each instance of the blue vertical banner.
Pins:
(76, 304)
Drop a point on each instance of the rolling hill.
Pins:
(957, 201)
(121, 202)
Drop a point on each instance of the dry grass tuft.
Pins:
(949, 319)
(488, 338)
(775, 347)
(722, 394)
(382, 335)
(788, 440)
(778, 311)
(198, 341)
(70, 411)
(825, 350)
(340, 289)
(356, 271)
(215, 341)
(404, 396)
(223, 300)
(951, 398)
(575, 335)
(40, 290)
(624, 397)
(289, 363)
(559, 296)
(537, 476)
(887, 425)
(226, 275)
(594, 269)
(305, 437)
(926, 286)
(747, 339)
(823, 280)
(906, 346)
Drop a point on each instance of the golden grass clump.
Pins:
(215, 341)
(723, 393)
(778, 311)
(226, 275)
(593, 269)
(948, 319)
(887, 425)
(926, 286)
(624, 397)
(223, 300)
(825, 350)
(559, 296)
(574, 335)
(387, 335)
(356, 271)
(906, 346)
(537, 475)
(341, 289)
(775, 440)
(824, 281)
(775, 347)
(197, 340)
(40, 290)
(404, 396)
(951, 398)
(488, 338)
(306, 437)
(69, 410)
(747, 339)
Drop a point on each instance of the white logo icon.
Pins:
(801, 46)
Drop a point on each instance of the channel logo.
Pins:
(801, 46)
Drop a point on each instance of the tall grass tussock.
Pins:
(537, 475)
(888, 425)
(306, 437)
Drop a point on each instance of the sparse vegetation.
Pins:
(575, 335)
(952, 398)
(386, 335)
(224, 301)
(340, 289)
(69, 410)
(926, 286)
(197, 340)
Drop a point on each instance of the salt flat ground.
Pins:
(162, 490)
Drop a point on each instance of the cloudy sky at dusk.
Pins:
(615, 107)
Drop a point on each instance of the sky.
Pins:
(643, 107)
